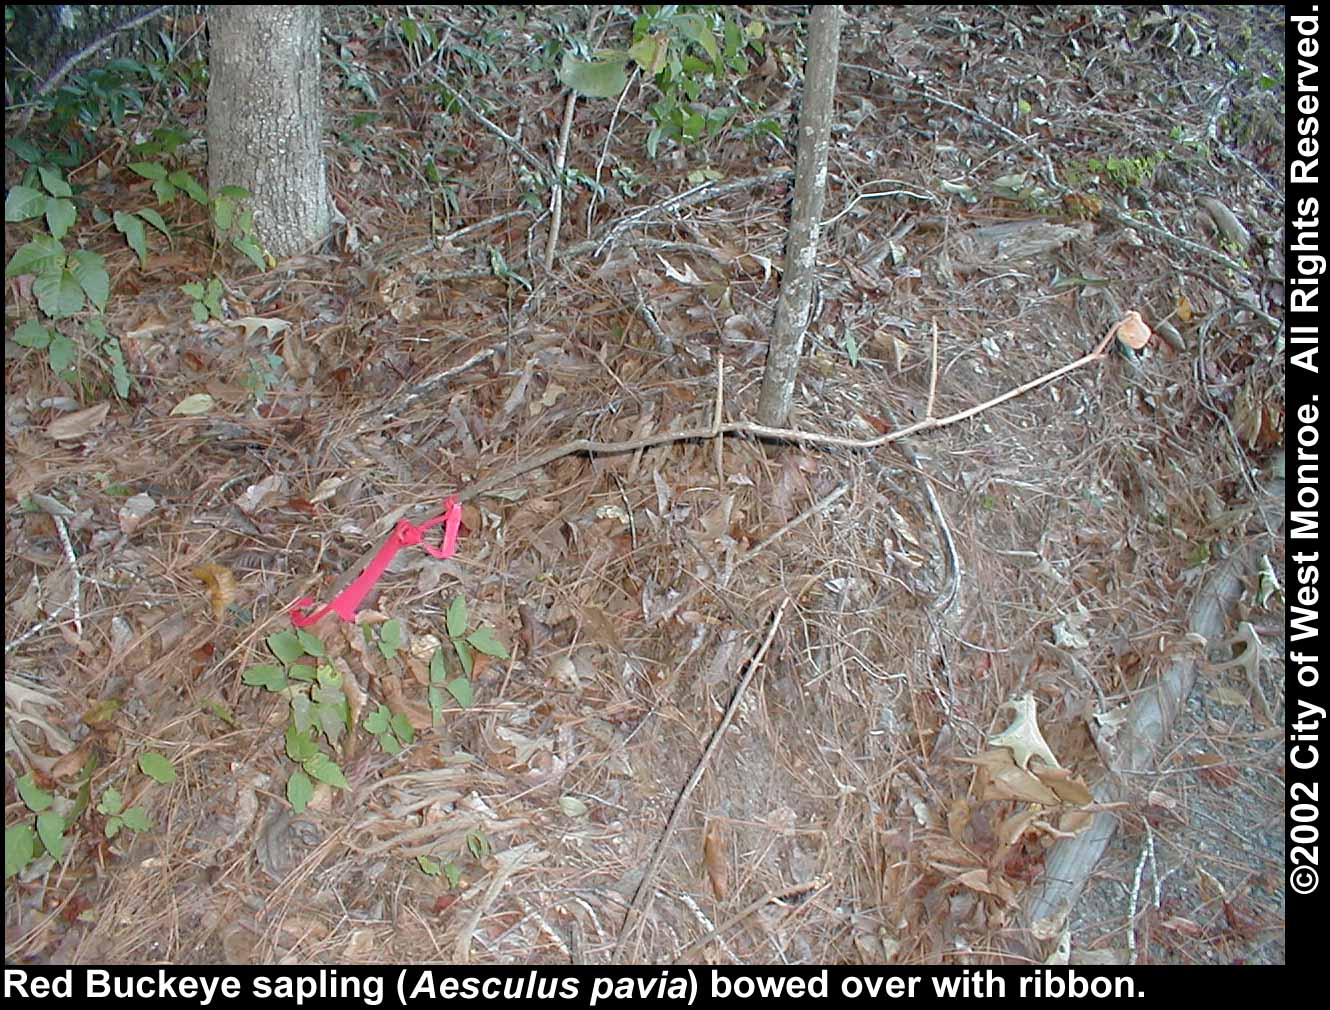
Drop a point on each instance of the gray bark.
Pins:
(810, 189)
(265, 120)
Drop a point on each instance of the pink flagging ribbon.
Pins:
(404, 534)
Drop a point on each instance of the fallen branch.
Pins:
(590, 447)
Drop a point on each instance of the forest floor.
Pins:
(1018, 179)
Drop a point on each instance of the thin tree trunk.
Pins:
(810, 190)
(265, 120)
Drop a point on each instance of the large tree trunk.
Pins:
(810, 190)
(265, 120)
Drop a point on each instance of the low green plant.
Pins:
(28, 839)
(207, 298)
(687, 54)
(112, 806)
(319, 710)
(321, 713)
(392, 730)
(53, 816)
(450, 871)
(1127, 173)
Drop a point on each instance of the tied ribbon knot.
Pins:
(404, 534)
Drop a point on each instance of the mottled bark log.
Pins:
(810, 189)
(265, 120)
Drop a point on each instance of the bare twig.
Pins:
(593, 448)
(72, 603)
(647, 886)
(503, 135)
(556, 197)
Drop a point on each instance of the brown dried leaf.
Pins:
(713, 858)
(1000, 779)
(221, 587)
(1069, 790)
(1133, 332)
(79, 423)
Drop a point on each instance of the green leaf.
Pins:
(62, 354)
(377, 721)
(300, 746)
(402, 727)
(42, 255)
(461, 690)
(594, 78)
(310, 643)
(453, 872)
(185, 181)
(113, 826)
(649, 53)
(34, 797)
(131, 226)
(391, 634)
(234, 193)
(89, 270)
(390, 744)
(269, 675)
(23, 203)
(32, 334)
(20, 847)
(428, 866)
(157, 766)
(223, 213)
(286, 646)
(119, 370)
(478, 845)
(464, 655)
(323, 768)
(164, 191)
(60, 215)
(302, 713)
(59, 294)
(695, 28)
(136, 819)
(457, 617)
(483, 640)
(111, 803)
(333, 718)
(149, 170)
(156, 220)
(51, 830)
(299, 791)
(437, 672)
(251, 250)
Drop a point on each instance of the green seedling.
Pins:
(319, 709)
(393, 731)
(112, 806)
(25, 841)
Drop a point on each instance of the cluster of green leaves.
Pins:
(319, 710)
(64, 281)
(476, 843)
(227, 209)
(1127, 173)
(69, 283)
(207, 302)
(47, 831)
(688, 51)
